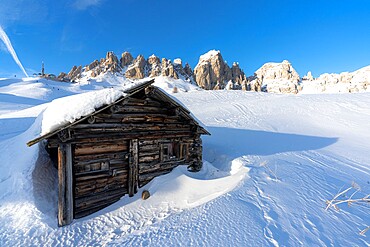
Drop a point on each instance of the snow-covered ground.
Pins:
(271, 163)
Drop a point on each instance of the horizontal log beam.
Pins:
(98, 206)
(133, 135)
(85, 202)
(84, 149)
(149, 152)
(146, 176)
(100, 157)
(97, 188)
(130, 126)
(141, 102)
(149, 158)
(127, 115)
(112, 161)
(144, 109)
(135, 129)
(158, 167)
(149, 149)
(119, 178)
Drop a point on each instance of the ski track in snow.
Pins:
(322, 145)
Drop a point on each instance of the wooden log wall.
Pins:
(100, 172)
(101, 150)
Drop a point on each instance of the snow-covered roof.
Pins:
(64, 112)
(67, 110)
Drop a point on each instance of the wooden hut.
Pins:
(120, 148)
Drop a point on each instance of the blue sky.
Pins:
(321, 36)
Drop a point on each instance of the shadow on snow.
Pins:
(234, 143)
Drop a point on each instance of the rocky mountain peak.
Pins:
(308, 77)
(177, 61)
(278, 71)
(279, 77)
(212, 72)
(154, 66)
(111, 62)
(137, 69)
(126, 59)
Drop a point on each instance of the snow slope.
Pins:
(271, 163)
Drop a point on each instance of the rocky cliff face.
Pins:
(126, 59)
(154, 64)
(278, 71)
(278, 77)
(138, 68)
(73, 74)
(109, 63)
(212, 72)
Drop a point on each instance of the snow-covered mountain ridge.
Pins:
(213, 73)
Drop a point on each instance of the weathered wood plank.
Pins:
(88, 201)
(100, 157)
(112, 161)
(132, 129)
(98, 206)
(131, 135)
(151, 119)
(178, 125)
(99, 148)
(97, 188)
(149, 158)
(149, 149)
(103, 174)
(65, 177)
(143, 108)
(136, 164)
(121, 179)
(146, 176)
(133, 168)
(141, 102)
(154, 167)
(101, 139)
(147, 142)
(90, 177)
(94, 208)
(127, 115)
(146, 153)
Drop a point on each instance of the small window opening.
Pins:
(174, 151)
